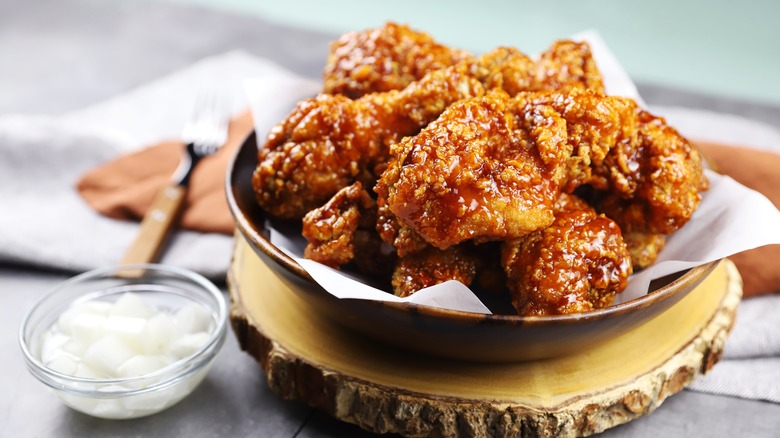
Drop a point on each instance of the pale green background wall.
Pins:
(727, 48)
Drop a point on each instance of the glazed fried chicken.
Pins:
(504, 68)
(331, 229)
(343, 231)
(643, 247)
(433, 266)
(492, 168)
(404, 239)
(654, 184)
(383, 59)
(393, 56)
(565, 65)
(475, 163)
(467, 176)
(329, 142)
(650, 187)
(576, 264)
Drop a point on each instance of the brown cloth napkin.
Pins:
(124, 189)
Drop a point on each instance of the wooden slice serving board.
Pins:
(382, 389)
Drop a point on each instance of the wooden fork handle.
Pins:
(157, 222)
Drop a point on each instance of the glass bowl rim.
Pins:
(162, 377)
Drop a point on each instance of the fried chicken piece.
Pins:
(460, 177)
(467, 175)
(342, 231)
(571, 202)
(575, 265)
(565, 65)
(392, 56)
(405, 240)
(329, 142)
(505, 68)
(331, 229)
(383, 59)
(492, 168)
(643, 248)
(595, 124)
(654, 184)
(433, 266)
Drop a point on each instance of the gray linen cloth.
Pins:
(44, 222)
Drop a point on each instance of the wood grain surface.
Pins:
(382, 389)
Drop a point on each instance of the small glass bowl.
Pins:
(164, 287)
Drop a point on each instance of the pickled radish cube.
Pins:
(193, 318)
(64, 364)
(85, 371)
(75, 348)
(107, 353)
(158, 334)
(109, 407)
(52, 345)
(188, 344)
(168, 358)
(129, 328)
(140, 365)
(65, 321)
(94, 307)
(150, 401)
(87, 327)
(130, 304)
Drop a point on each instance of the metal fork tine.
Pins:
(206, 128)
(204, 132)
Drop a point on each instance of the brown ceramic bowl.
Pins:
(448, 333)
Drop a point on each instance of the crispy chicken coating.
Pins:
(404, 239)
(343, 231)
(331, 229)
(575, 265)
(467, 175)
(392, 56)
(565, 65)
(383, 59)
(505, 68)
(595, 124)
(462, 151)
(492, 168)
(643, 248)
(654, 184)
(433, 266)
(329, 142)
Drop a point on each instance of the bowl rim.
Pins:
(259, 241)
(167, 375)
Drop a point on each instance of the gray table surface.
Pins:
(57, 55)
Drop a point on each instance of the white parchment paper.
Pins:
(730, 219)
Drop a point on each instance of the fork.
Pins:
(204, 133)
